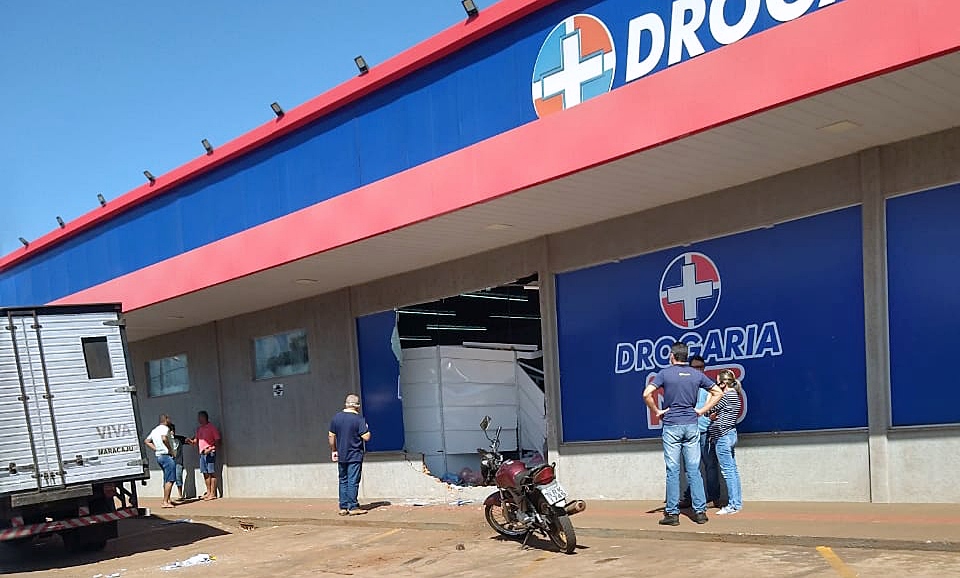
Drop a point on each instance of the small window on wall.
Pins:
(96, 354)
(280, 355)
(168, 376)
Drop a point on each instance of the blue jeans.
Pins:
(683, 440)
(709, 471)
(169, 468)
(725, 447)
(349, 484)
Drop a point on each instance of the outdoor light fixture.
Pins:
(361, 64)
(103, 202)
(150, 177)
(276, 109)
(471, 7)
(25, 242)
(497, 296)
(60, 222)
(440, 327)
(426, 312)
(207, 146)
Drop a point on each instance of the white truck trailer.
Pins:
(70, 435)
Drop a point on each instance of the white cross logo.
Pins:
(690, 291)
(573, 73)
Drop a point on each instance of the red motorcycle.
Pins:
(527, 500)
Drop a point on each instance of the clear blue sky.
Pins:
(92, 93)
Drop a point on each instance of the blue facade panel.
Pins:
(924, 305)
(781, 307)
(380, 381)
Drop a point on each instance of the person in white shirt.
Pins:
(159, 442)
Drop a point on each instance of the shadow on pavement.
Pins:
(535, 542)
(375, 505)
(137, 535)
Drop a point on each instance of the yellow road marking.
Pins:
(378, 536)
(835, 561)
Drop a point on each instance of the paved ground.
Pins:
(307, 538)
(887, 526)
(348, 550)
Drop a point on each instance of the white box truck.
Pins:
(70, 436)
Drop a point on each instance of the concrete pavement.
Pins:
(932, 527)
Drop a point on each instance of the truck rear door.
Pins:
(80, 406)
(29, 447)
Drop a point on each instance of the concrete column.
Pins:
(877, 326)
(551, 353)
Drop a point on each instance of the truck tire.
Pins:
(88, 539)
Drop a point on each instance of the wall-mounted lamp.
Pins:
(150, 177)
(103, 202)
(471, 7)
(207, 146)
(60, 222)
(361, 65)
(276, 109)
(25, 242)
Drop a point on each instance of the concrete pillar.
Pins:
(551, 353)
(877, 326)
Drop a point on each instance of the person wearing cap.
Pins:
(347, 435)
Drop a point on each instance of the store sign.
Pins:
(578, 59)
(780, 307)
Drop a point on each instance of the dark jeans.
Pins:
(711, 474)
(349, 484)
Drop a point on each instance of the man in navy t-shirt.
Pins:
(681, 436)
(348, 432)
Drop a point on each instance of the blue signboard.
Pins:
(923, 253)
(380, 381)
(781, 307)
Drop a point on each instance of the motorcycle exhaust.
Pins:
(575, 507)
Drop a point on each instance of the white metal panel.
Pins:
(95, 417)
(532, 415)
(82, 429)
(15, 435)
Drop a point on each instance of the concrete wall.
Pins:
(199, 345)
(277, 447)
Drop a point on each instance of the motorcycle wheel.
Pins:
(562, 534)
(496, 517)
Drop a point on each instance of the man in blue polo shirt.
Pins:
(348, 432)
(681, 436)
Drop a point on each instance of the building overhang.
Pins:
(817, 89)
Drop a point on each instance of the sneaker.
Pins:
(343, 512)
(701, 518)
(357, 512)
(670, 520)
(727, 511)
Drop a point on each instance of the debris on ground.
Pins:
(461, 547)
(191, 561)
(247, 526)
